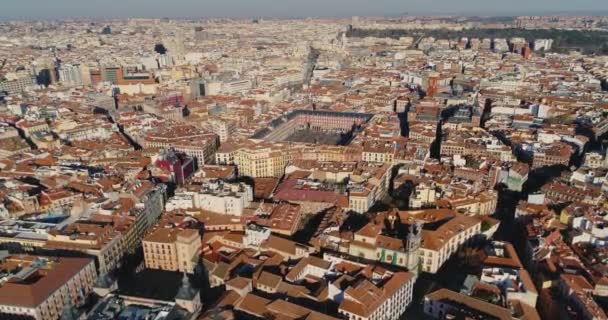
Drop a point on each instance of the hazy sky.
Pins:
(32, 9)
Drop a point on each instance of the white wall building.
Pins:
(216, 196)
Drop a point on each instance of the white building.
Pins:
(424, 194)
(223, 129)
(443, 303)
(590, 229)
(216, 196)
(255, 235)
(543, 44)
(236, 86)
(595, 160)
(515, 284)
(440, 244)
(70, 75)
(182, 200)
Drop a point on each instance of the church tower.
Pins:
(68, 312)
(188, 297)
(414, 239)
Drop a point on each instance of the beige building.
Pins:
(97, 239)
(447, 304)
(265, 162)
(389, 300)
(31, 127)
(369, 184)
(40, 287)
(286, 248)
(188, 139)
(440, 244)
(424, 194)
(223, 129)
(263, 159)
(12, 146)
(378, 153)
(172, 249)
(370, 244)
(483, 203)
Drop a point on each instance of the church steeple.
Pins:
(188, 297)
(414, 239)
(186, 292)
(69, 312)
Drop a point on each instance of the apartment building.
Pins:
(184, 138)
(368, 183)
(172, 249)
(438, 245)
(42, 287)
(379, 152)
(265, 162)
(558, 153)
(31, 127)
(17, 83)
(98, 239)
(224, 198)
(386, 300)
(515, 283)
(447, 304)
(216, 196)
(223, 129)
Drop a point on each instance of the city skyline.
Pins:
(61, 9)
(388, 164)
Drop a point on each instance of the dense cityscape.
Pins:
(357, 168)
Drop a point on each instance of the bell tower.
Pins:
(414, 239)
(188, 297)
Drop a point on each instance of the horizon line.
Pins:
(569, 13)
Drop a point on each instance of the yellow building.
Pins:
(173, 249)
(263, 162)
